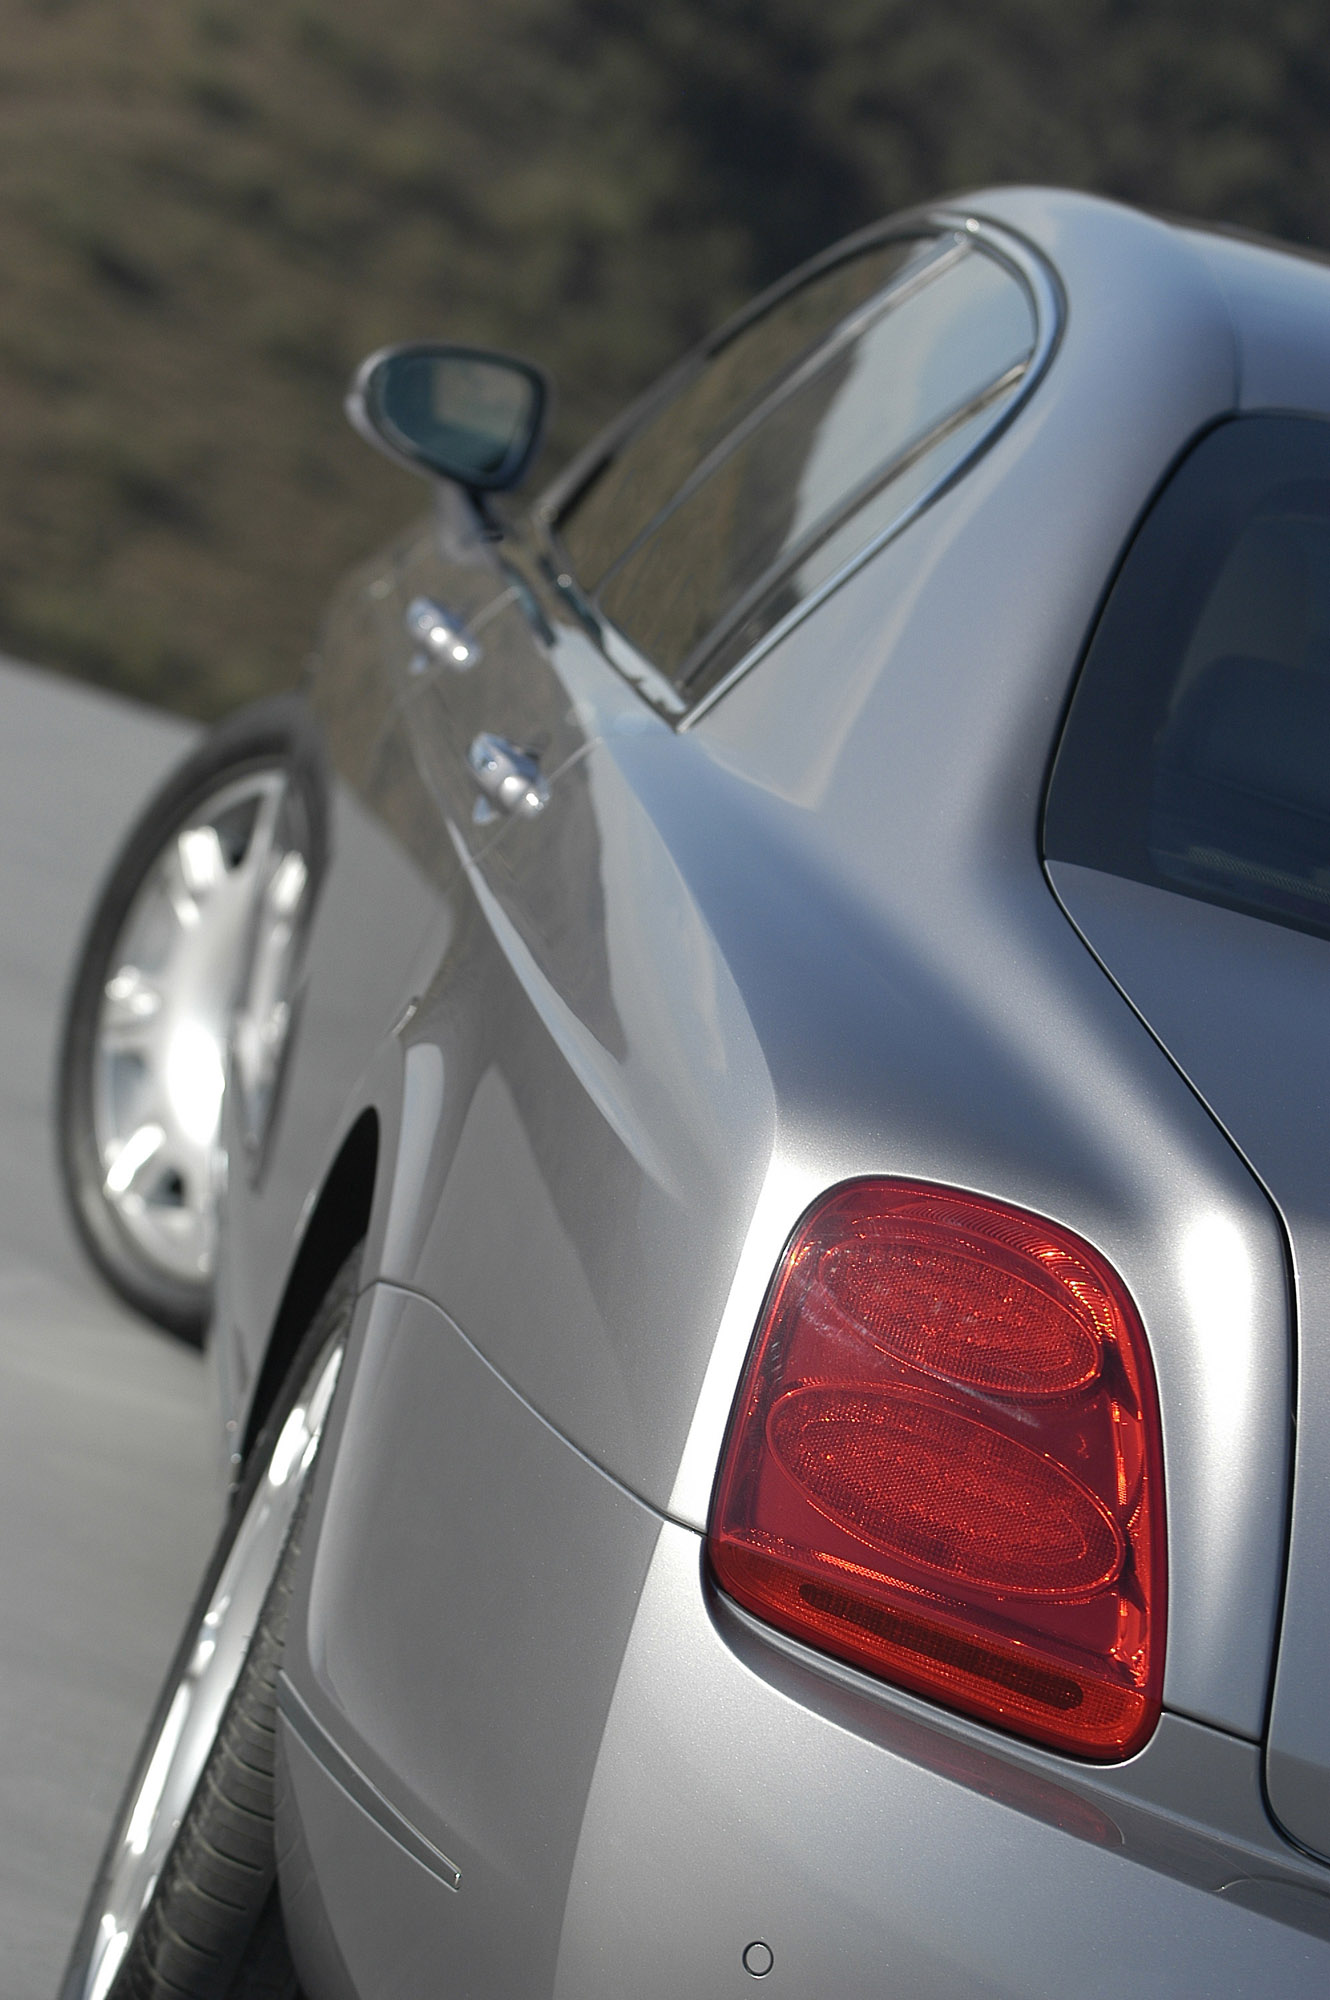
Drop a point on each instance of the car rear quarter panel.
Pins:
(825, 948)
(738, 1799)
(459, 1634)
(806, 938)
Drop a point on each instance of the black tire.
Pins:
(278, 734)
(212, 1928)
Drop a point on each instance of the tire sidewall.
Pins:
(330, 1323)
(279, 730)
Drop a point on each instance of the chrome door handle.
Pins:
(508, 776)
(440, 636)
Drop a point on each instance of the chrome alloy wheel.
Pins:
(192, 1715)
(193, 932)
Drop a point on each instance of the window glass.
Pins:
(767, 605)
(755, 529)
(1197, 750)
(653, 463)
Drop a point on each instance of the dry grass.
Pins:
(209, 209)
(207, 214)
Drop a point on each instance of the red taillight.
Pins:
(945, 1465)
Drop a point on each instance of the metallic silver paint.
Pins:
(1278, 305)
(1049, 305)
(1241, 1007)
(725, 968)
(1013, 1066)
(876, 1855)
(474, 1703)
(739, 1789)
(338, 1767)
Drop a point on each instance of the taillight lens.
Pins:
(945, 1465)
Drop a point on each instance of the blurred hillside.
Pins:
(208, 212)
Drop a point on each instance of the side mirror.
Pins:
(470, 415)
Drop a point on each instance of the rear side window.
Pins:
(1197, 750)
(653, 463)
(793, 445)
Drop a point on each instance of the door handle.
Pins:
(440, 636)
(508, 777)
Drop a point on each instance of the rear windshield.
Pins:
(794, 444)
(1197, 750)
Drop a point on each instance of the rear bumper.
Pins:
(692, 1789)
(741, 1795)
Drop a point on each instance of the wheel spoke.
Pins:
(290, 878)
(247, 872)
(164, 1015)
(160, 1186)
(264, 831)
(201, 860)
(175, 889)
(139, 1153)
(193, 1081)
(131, 1003)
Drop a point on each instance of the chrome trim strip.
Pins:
(951, 247)
(858, 497)
(358, 1788)
(917, 222)
(1050, 315)
(653, 686)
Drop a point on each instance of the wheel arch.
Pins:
(340, 1218)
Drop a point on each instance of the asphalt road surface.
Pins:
(110, 1482)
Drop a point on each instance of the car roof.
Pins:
(1274, 297)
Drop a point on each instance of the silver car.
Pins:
(743, 1082)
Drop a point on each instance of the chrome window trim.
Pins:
(1050, 314)
(859, 496)
(653, 686)
(893, 294)
(559, 496)
(657, 689)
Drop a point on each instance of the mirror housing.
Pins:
(463, 413)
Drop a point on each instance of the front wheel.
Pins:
(185, 1904)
